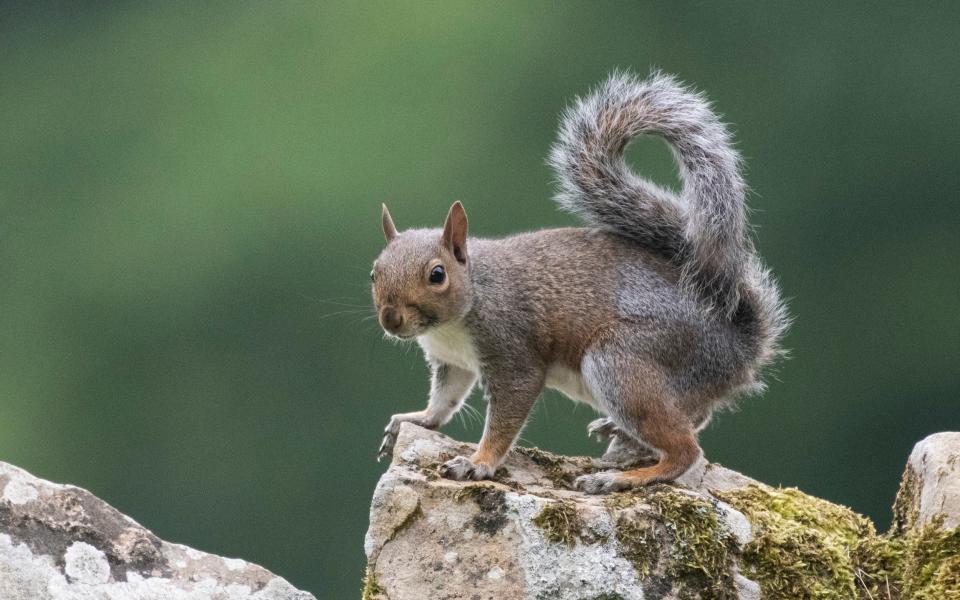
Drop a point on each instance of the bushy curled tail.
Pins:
(705, 228)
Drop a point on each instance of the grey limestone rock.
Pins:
(60, 542)
(528, 535)
(931, 484)
(713, 534)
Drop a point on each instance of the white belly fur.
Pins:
(570, 383)
(451, 343)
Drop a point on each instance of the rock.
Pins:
(60, 542)
(713, 534)
(529, 535)
(930, 490)
(926, 520)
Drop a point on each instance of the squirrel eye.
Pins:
(371, 276)
(437, 275)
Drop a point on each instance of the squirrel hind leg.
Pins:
(635, 393)
(678, 450)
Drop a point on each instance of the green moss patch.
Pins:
(371, 589)
(479, 493)
(551, 464)
(803, 547)
(560, 522)
(878, 566)
(701, 555)
(931, 569)
(638, 544)
(908, 498)
(700, 552)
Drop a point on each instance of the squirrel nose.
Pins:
(391, 318)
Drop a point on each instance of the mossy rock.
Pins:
(804, 547)
(560, 522)
(371, 589)
(931, 568)
(700, 551)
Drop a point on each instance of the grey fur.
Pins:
(660, 312)
(705, 228)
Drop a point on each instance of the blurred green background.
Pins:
(190, 197)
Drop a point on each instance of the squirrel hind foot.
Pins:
(608, 482)
(672, 465)
(624, 454)
(604, 429)
(623, 450)
(602, 483)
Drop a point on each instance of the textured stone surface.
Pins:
(931, 484)
(60, 542)
(434, 538)
(528, 535)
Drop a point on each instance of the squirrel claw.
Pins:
(386, 446)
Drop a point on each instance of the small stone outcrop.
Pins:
(60, 542)
(714, 534)
(930, 490)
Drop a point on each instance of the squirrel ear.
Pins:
(389, 229)
(455, 232)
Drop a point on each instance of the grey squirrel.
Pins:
(655, 314)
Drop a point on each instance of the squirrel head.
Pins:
(420, 280)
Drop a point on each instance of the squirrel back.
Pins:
(704, 229)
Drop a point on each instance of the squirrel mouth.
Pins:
(406, 335)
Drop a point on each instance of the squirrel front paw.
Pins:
(461, 468)
(389, 439)
(393, 428)
(390, 436)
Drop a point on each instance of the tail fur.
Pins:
(704, 230)
(706, 227)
